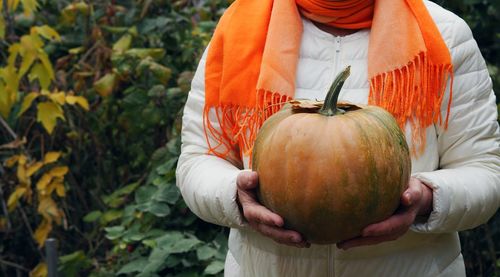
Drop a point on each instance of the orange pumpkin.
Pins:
(330, 170)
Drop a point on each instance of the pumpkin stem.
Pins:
(330, 105)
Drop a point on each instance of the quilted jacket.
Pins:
(461, 164)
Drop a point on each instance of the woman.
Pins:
(266, 52)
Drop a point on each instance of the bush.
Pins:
(91, 94)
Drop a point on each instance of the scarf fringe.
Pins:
(237, 126)
(414, 94)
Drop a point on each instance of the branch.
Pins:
(11, 264)
(6, 126)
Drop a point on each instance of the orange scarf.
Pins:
(252, 61)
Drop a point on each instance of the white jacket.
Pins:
(461, 165)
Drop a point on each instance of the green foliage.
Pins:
(96, 110)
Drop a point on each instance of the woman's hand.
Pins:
(416, 200)
(259, 217)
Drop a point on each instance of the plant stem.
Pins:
(330, 106)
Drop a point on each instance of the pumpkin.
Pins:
(330, 169)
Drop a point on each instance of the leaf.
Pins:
(27, 101)
(114, 232)
(48, 113)
(205, 252)
(32, 169)
(48, 209)
(81, 101)
(58, 97)
(144, 194)
(59, 171)
(10, 162)
(14, 197)
(51, 157)
(141, 53)
(214, 268)
(47, 32)
(42, 232)
(106, 84)
(92, 216)
(38, 71)
(2, 28)
(110, 216)
(29, 6)
(169, 193)
(47, 64)
(159, 209)
(40, 270)
(123, 44)
(43, 182)
(135, 266)
(60, 190)
(28, 59)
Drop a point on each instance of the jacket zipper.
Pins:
(331, 254)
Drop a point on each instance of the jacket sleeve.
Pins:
(207, 182)
(466, 187)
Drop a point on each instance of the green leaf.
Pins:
(183, 245)
(169, 194)
(92, 216)
(110, 215)
(167, 167)
(142, 53)
(159, 209)
(205, 252)
(214, 268)
(134, 266)
(145, 194)
(114, 232)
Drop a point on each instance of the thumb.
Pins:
(247, 180)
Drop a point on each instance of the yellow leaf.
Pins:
(22, 159)
(48, 112)
(43, 182)
(28, 99)
(81, 101)
(59, 171)
(13, 4)
(46, 63)
(28, 59)
(31, 43)
(14, 197)
(58, 97)
(123, 44)
(10, 162)
(29, 6)
(48, 209)
(77, 50)
(2, 28)
(42, 232)
(32, 169)
(47, 32)
(22, 174)
(51, 157)
(60, 190)
(105, 85)
(39, 72)
(40, 270)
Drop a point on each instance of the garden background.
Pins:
(91, 95)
